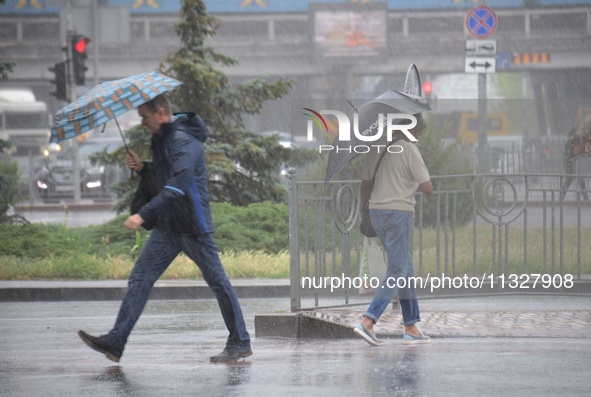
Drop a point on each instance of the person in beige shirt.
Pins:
(391, 202)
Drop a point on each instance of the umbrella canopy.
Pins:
(389, 102)
(106, 101)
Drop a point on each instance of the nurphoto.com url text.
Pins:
(509, 281)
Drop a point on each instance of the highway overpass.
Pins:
(549, 41)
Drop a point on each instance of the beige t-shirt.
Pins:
(397, 179)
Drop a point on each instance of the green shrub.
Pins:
(253, 239)
(444, 158)
(257, 227)
(34, 241)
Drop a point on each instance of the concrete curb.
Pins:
(113, 290)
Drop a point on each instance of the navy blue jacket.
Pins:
(178, 166)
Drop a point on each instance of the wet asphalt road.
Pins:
(168, 354)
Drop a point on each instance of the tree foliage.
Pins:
(9, 180)
(138, 140)
(445, 158)
(5, 68)
(243, 166)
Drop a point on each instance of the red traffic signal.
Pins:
(80, 43)
(427, 87)
(79, 56)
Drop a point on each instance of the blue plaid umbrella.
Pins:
(106, 101)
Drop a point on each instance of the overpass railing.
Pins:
(477, 234)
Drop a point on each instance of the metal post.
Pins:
(524, 95)
(30, 176)
(76, 158)
(95, 32)
(294, 249)
(483, 163)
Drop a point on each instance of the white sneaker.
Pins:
(370, 337)
(420, 339)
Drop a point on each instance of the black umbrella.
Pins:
(389, 102)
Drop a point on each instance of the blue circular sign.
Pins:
(481, 22)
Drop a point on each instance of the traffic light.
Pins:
(79, 56)
(60, 81)
(428, 91)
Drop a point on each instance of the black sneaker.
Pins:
(230, 354)
(100, 344)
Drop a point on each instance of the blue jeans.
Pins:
(157, 254)
(394, 231)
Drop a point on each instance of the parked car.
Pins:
(55, 175)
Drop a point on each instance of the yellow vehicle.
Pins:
(496, 124)
(464, 125)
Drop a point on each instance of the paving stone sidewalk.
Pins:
(486, 323)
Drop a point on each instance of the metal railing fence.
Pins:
(488, 226)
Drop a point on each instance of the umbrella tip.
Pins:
(353, 106)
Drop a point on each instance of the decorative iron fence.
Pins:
(508, 233)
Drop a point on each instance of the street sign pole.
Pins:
(481, 22)
(483, 163)
(70, 33)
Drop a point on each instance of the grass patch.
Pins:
(539, 260)
(90, 267)
(74, 267)
(436, 259)
(244, 264)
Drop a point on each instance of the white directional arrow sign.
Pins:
(481, 65)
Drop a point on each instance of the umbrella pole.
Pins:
(121, 133)
(123, 138)
(353, 106)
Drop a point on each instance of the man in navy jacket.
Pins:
(182, 222)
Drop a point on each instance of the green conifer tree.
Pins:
(242, 165)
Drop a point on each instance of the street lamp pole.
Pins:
(70, 34)
(483, 162)
(95, 33)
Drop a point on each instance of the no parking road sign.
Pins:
(481, 22)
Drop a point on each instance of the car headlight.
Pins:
(93, 184)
